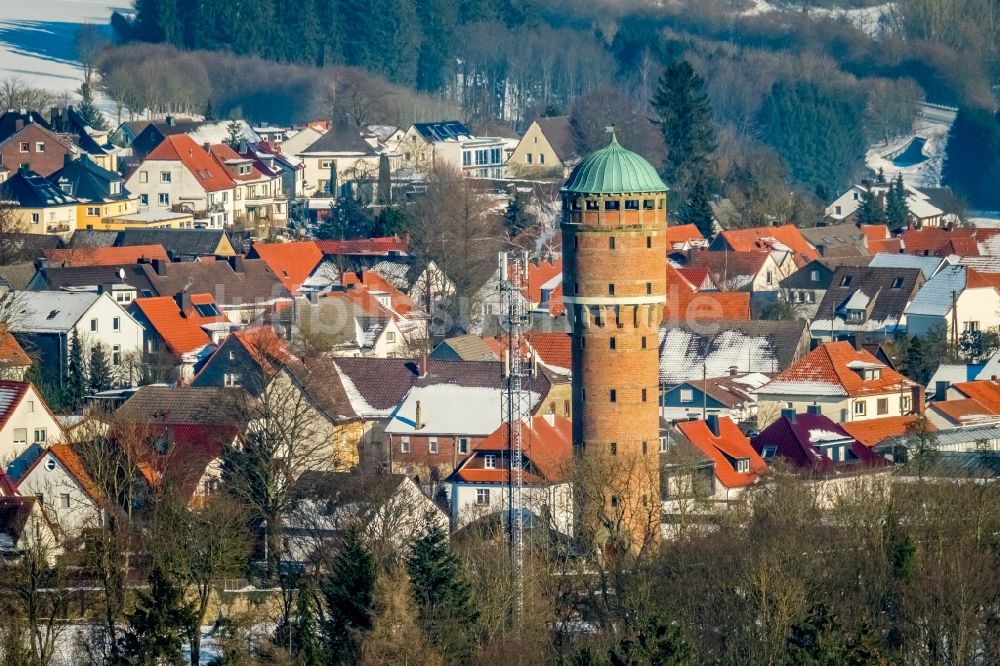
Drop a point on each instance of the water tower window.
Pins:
(592, 205)
(631, 204)
(659, 203)
(649, 287)
(611, 289)
(644, 342)
(614, 395)
(611, 242)
(649, 242)
(648, 204)
(612, 342)
(614, 448)
(611, 204)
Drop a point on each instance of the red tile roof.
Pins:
(553, 349)
(264, 346)
(890, 245)
(700, 278)
(941, 242)
(377, 246)
(181, 332)
(11, 352)
(983, 391)
(963, 411)
(762, 238)
(730, 444)
(69, 459)
(873, 431)
(683, 233)
(538, 274)
(222, 153)
(874, 232)
(828, 364)
(371, 281)
(190, 449)
(104, 256)
(182, 148)
(680, 279)
(547, 444)
(685, 306)
(292, 262)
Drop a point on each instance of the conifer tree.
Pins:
(384, 180)
(307, 638)
(157, 625)
(100, 369)
(349, 592)
(391, 221)
(684, 116)
(234, 132)
(75, 386)
(441, 593)
(209, 111)
(697, 210)
(896, 210)
(89, 111)
(871, 210)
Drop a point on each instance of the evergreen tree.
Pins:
(157, 625)
(391, 221)
(897, 212)
(209, 111)
(234, 134)
(972, 158)
(99, 369)
(306, 639)
(697, 210)
(384, 181)
(75, 386)
(683, 114)
(349, 592)
(871, 210)
(656, 643)
(438, 20)
(517, 217)
(347, 219)
(441, 593)
(332, 183)
(89, 111)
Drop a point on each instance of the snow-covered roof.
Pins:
(937, 295)
(681, 359)
(49, 311)
(449, 409)
(821, 435)
(956, 373)
(857, 301)
(929, 266)
(813, 388)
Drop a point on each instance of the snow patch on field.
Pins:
(871, 20)
(36, 39)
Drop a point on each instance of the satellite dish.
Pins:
(121, 273)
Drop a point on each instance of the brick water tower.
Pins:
(614, 288)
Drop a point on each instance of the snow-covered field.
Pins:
(871, 20)
(36, 38)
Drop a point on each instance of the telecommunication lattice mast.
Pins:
(515, 402)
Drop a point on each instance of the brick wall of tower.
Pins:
(614, 266)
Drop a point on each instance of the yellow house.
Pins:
(100, 192)
(547, 150)
(43, 208)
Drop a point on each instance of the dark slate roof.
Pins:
(751, 346)
(88, 181)
(30, 190)
(18, 275)
(802, 278)
(793, 442)
(14, 514)
(69, 121)
(887, 301)
(178, 242)
(320, 382)
(93, 238)
(559, 133)
(383, 382)
(167, 405)
(447, 130)
(255, 283)
(341, 138)
(8, 122)
(58, 277)
(835, 235)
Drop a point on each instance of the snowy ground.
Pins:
(36, 39)
(871, 20)
(931, 124)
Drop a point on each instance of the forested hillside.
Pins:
(809, 83)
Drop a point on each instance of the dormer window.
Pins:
(897, 283)
(845, 281)
(742, 464)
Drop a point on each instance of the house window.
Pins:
(116, 355)
(882, 406)
(490, 461)
(40, 435)
(31, 405)
(432, 445)
(769, 451)
(742, 464)
(855, 315)
(35, 218)
(687, 395)
(20, 435)
(972, 327)
(860, 408)
(93, 324)
(40, 147)
(25, 147)
(663, 445)
(528, 158)
(614, 395)
(649, 242)
(164, 198)
(144, 199)
(483, 496)
(463, 445)
(93, 212)
(611, 205)
(614, 448)
(770, 277)
(50, 464)
(164, 176)
(814, 275)
(143, 177)
(904, 404)
(64, 501)
(404, 445)
(231, 379)
(390, 336)
(649, 288)
(116, 324)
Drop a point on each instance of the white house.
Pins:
(179, 174)
(68, 493)
(27, 425)
(48, 320)
(341, 155)
(956, 296)
(922, 211)
(450, 143)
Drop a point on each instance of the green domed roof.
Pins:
(614, 170)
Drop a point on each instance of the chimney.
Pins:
(788, 414)
(159, 266)
(41, 264)
(918, 402)
(18, 125)
(712, 421)
(207, 146)
(169, 120)
(417, 424)
(236, 263)
(422, 367)
(733, 370)
(815, 410)
(183, 299)
(941, 390)
(67, 158)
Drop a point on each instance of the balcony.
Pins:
(59, 228)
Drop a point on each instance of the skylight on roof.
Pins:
(52, 315)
